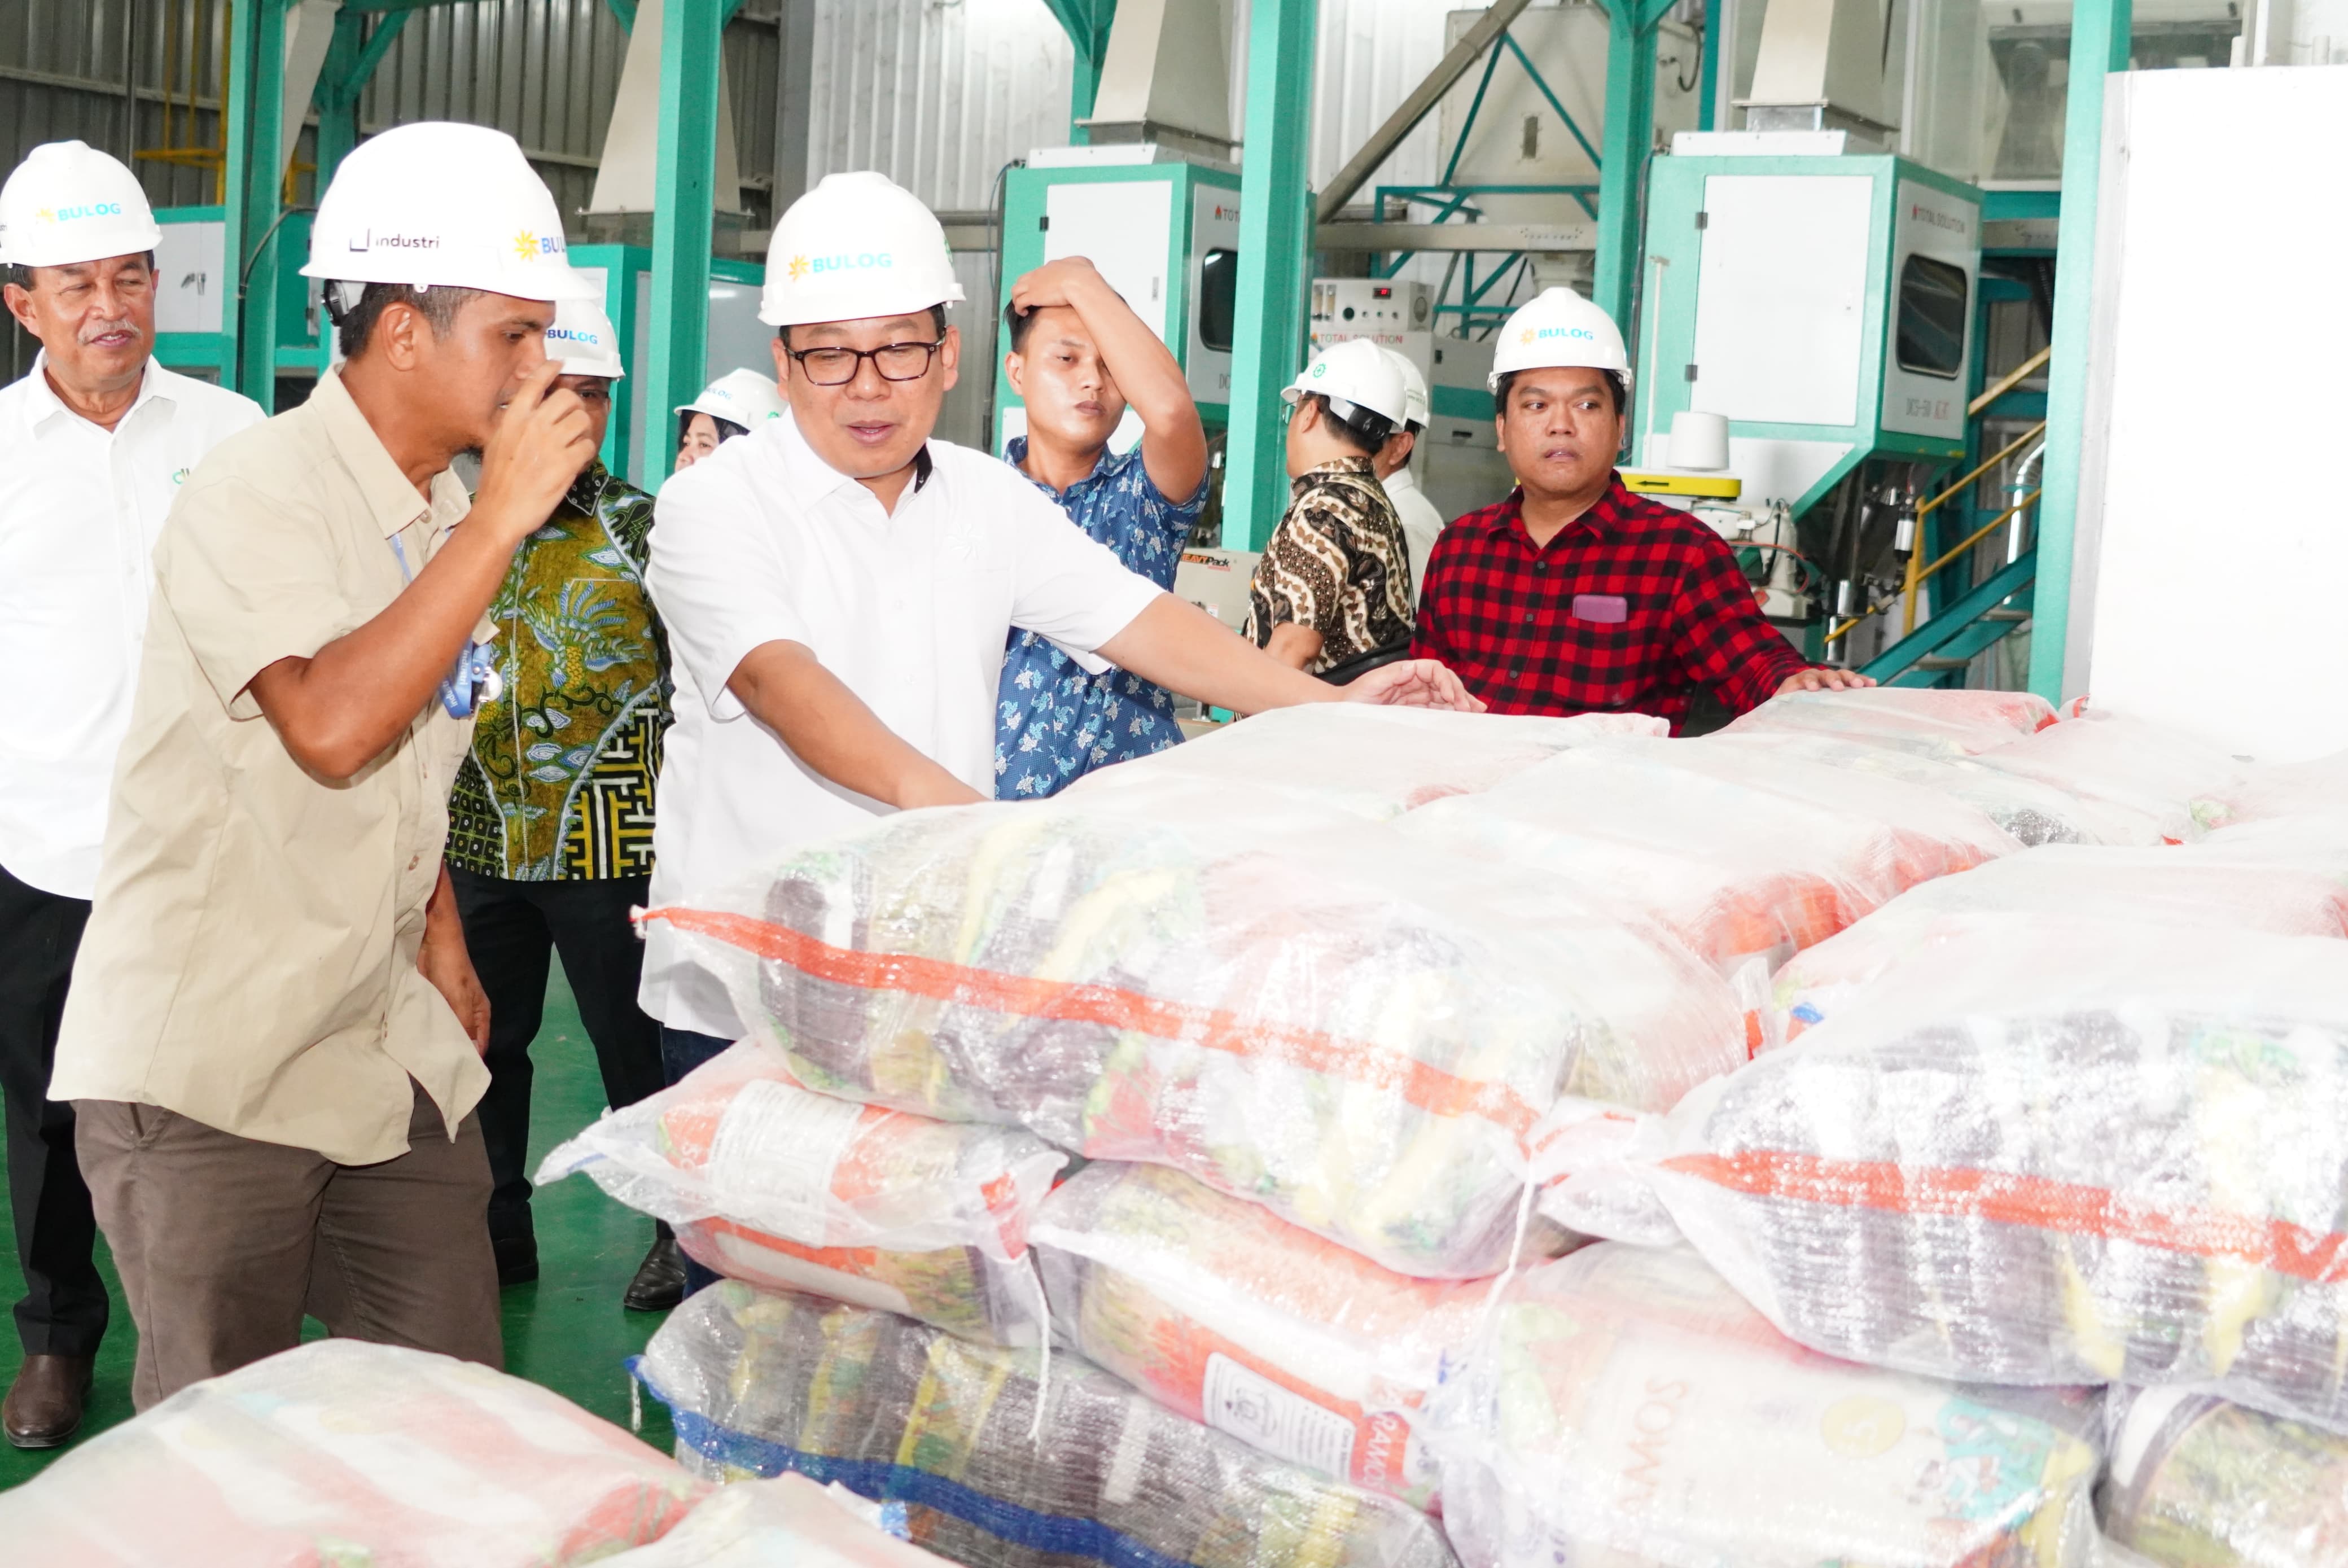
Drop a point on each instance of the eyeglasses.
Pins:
(839, 367)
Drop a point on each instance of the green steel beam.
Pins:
(626, 11)
(256, 162)
(1087, 23)
(351, 62)
(1276, 251)
(685, 200)
(2099, 45)
(1630, 133)
(1709, 39)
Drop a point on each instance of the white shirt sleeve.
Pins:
(721, 588)
(1066, 585)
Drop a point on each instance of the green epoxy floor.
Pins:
(567, 1330)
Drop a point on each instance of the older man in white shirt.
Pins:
(94, 444)
(838, 589)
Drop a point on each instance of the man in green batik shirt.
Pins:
(550, 822)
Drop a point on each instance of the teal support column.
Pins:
(685, 200)
(1713, 40)
(256, 166)
(1275, 262)
(1087, 23)
(2099, 45)
(1623, 155)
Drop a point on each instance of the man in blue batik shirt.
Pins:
(1078, 355)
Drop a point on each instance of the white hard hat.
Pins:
(856, 245)
(1356, 375)
(1558, 326)
(745, 397)
(70, 202)
(437, 204)
(1413, 389)
(583, 340)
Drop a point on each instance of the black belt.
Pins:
(1360, 664)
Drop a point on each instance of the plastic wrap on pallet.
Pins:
(2038, 1159)
(772, 1183)
(2137, 781)
(2197, 1482)
(347, 1453)
(2063, 889)
(1346, 1026)
(786, 1522)
(2313, 789)
(1624, 1407)
(2033, 812)
(760, 1383)
(1350, 759)
(1746, 856)
(1226, 1313)
(1931, 722)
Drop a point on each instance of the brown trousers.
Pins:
(224, 1242)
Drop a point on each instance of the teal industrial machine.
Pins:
(1824, 305)
(1163, 229)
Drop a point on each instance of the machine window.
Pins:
(1218, 297)
(1933, 300)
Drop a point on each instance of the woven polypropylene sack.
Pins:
(2317, 788)
(2136, 781)
(1745, 857)
(1934, 723)
(2065, 889)
(771, 1181)
(1232, 1317)
(760, 1383)
(347, 1453)
(1624, 1407)
(2033, 812)
(1350, 759)
(2036, 1159)
(1352, 1028)
(786, 1522)
(2197, 1482)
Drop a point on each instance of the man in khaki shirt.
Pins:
(272, 1040)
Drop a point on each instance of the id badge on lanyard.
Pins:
(475, 679)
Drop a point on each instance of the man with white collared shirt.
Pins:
(94, 444)
(839, 588)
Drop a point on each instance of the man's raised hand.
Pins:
(541, 444)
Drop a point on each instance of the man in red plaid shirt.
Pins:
(1574, 595)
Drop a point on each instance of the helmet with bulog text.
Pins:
(435, 204)
(1364, 391)
(742, 397)
(70, 202)
(583, 342)
(858, 245)
(1558, 326)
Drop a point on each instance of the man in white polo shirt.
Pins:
(838, 589)
(93, 445)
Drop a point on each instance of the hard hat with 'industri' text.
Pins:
(1357, 377)
(858, 245)
(1558, 326)
(70, 202)
(744, 397)
(435, 204)
(582, 340)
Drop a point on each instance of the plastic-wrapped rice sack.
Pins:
(2137, 781)
(1746, 856)
(1350, 759)
(772, 1183)
(347, 1453)
(2033, 812)
(1232, 1317)
(760, 1383)
(2038, 1159)
(786, 1522)
(2063, 888)
(1345, 1026)
(1934, 723)
(2318, 789)
(2197, 1482)
(1623, 1408)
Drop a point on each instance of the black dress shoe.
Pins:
(659, 1284)
(517, 1259)
(44, 1404)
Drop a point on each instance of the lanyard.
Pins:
(475, 679)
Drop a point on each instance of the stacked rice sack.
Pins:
(2197, 1482)
(346, 1453)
